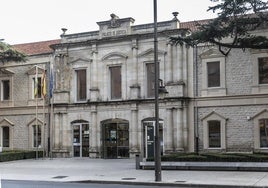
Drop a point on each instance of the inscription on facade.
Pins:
(114, 33)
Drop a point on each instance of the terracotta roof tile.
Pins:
(36, 48)
(193, 25)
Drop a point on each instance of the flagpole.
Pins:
(51, 84)
(36, 110)
(43, 89)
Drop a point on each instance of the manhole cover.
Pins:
(59, 177)
(128, 178)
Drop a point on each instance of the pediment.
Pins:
(32, 70)
(81, 60)
(114, 55)
(211, 53)
(6, 72)
(6, 122)
(150, 52)
(263, 112)
(33, 122)
(213, 115)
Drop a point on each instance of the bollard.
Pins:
(138, 160)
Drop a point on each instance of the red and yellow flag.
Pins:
(43, 84)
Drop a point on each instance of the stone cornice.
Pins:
(165, 33)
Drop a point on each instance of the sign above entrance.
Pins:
(115, 27)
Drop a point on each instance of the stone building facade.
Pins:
(104, 91)
(102, 102)
(20, 110)
(231, 99)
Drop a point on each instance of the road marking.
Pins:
(0, 182)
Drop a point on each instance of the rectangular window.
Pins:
(263, 70)
(116, 88)
(213, 71)
(5, 90)
(37, 136)
(214, 134)
(263, 125)
(37, 88)
(150, 79)
(81, 84)
(5, 136)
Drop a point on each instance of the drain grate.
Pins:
(128, 178)
(59, 177)
(180, 181)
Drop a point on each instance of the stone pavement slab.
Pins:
(123, 171)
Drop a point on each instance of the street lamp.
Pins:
(157, 151)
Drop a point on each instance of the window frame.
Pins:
(39, 91)
(39, 137)
(115, 95)
(2, 136)
(3, 90)
(258, 88)
(213, 116)
(10, 125)
(150, 81)
(218, 123)
(256, 118)
(209, 66)
(259, 70)
(78, 99)
(213, 91)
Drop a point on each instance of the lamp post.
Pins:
(157, 152)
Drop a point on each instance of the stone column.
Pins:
(178, 126)
(185, 127)
(169, 132)
(180, 63)
(93, 136)
(133, 72)
(185, 62)
(169, 69)
(134, 133)
(56, 134)
(94, 90)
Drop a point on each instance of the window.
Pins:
(213, 70)
(116, 89)
(37, 88)
(213, 73)
(214, 131)
(214, 134)
(5, 90)
(263, 70)
(81, 84)
(37, 136)
(150, 79)
(263, 127)
(5, 136)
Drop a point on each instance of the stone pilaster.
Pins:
(93, 150)
(94, 89)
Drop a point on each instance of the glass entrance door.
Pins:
(115, 138)
(80, 140)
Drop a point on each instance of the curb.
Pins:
(167, 184)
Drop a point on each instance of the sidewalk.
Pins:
(123, 171)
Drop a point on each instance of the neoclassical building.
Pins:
(102, 102)
(104, 90)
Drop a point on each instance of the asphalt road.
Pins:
(43, 184)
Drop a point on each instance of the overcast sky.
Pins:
(24, 21)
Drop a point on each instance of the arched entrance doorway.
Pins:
(80, 138)
(115, 138)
